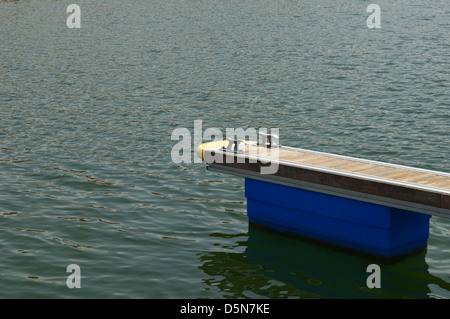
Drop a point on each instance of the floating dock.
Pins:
(377, 208)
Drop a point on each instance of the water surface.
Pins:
(86, 117)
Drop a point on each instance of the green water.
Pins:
(86, 116)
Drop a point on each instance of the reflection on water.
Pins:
(276, 266)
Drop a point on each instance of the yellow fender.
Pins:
(214, 145)
(210, 146)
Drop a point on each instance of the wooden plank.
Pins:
(262, 152)
(323, 161)
(303, 158)
(443, 184)
(402, 174)
(423, 178)
(306, 158)
(320, 161)
(337, 162)
(296, 157)
(351, 166)
(379, 171)
(280, 153)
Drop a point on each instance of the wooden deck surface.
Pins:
(408, 188)
(349, 165)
